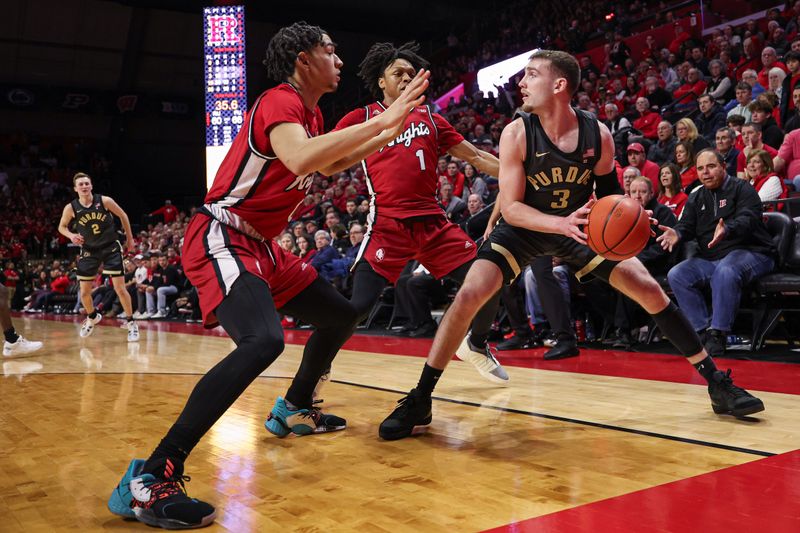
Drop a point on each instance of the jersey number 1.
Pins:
(421, 157)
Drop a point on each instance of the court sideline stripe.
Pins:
(557, 418)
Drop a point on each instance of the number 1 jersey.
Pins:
(401, 176)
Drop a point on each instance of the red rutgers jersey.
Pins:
(253, 191)
(401, 177)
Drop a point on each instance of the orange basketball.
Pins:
(618, 227)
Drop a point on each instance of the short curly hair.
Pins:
(286, 44)
(380, 56)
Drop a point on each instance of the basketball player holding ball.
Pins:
(553, 157)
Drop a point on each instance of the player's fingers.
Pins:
(653, 221)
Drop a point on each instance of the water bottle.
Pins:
(580, 330)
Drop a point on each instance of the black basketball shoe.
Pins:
(160, 500)
(413, 413)
(728, 399)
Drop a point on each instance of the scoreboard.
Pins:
(225, 81)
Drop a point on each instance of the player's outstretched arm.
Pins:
(303, 155)
(63, 225)
(114, 207)
(512, 186)
(483, 161)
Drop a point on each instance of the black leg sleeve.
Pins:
(555, 307)
(334, 319)
(248, 315)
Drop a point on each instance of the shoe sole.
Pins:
(739, 413)
(401, 434)
(147, 516)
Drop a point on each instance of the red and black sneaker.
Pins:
(160, 500)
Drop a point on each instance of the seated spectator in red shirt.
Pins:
(168, 211)
(305, 248)
(638, 159)
(681, 36)
(760, 173)
(752, 141)
(769, 59)
(670, 192)
(648, 120)
(684, 158)
(456, 178)
(690, 90)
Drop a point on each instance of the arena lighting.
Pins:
(499, 73)
(610, 17)
(455, 93)
(225, 75)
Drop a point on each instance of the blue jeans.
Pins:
(725, 276)
(532, 302)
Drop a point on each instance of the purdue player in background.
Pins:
(97, 238)
(551, 159)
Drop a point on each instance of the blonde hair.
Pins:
(80, 175)
(689, 123)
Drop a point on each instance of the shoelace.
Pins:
(170, 486)
(404, 405)
(727, 382)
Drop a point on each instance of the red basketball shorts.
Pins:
(215, 255)
(433, 240)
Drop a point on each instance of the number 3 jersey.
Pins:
(556, 182)
(401, 177)
(94, 223)
(253, 190)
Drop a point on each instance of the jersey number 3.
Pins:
(563, 196)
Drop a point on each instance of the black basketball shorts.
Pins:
(89, 262)
(512, 249)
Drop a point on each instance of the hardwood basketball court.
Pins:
(609, 441)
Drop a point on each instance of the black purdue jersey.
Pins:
(558, 183)
(94, 223)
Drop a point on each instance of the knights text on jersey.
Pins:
(94, 223)
(401, 177)
(253, 190)
(556, 182)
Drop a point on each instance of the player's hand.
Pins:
(573, 224)
(719, 234)
(76, 239)
(668, 239)
(130, 245)
(411, 97)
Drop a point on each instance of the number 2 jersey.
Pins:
(401, 177)
(253, 190)
(95, 224)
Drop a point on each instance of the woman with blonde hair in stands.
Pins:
(686, 130)
(761, 175)
(776, 76)
(670, 192)
(286, 241)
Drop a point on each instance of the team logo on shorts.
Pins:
(379, 254)
(467, 245)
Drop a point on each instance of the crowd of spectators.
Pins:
(735, 90)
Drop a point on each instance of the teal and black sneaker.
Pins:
(282, 420)
(120, 501)
(159, 499)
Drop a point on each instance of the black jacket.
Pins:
(771, 134)
(654, 257)
(707, 126)
(738, 204)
